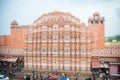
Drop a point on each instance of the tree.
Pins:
(117, 38)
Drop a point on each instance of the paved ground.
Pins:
(20, 74)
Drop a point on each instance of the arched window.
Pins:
(30, 30)
(44, 28)
(55, 49)
(111, 51)
(39, 29)
(43, 60)
(66, 38)
(83, 39)
(55, 38)
(67, 50)
(73, 28)
(44, 49)
(55, 27)
(83, 29)
(44, 38)
(67, 27)
(83, 49)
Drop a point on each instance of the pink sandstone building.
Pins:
(60, 41)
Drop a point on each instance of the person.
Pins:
(14, 74)
(55, 77)
(33, 73)
(11, 73)
(76, 78)
(65, 75)
(41, 77)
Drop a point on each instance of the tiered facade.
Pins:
(58, 41)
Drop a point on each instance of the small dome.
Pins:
(82, 24)
(90, 19)
(96, 14)
(14, 22)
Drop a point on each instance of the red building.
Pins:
(58, 40)
(12, 46)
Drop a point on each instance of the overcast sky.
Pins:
(26, 11)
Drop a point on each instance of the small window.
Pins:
(38, 29)
(83, 29)
(44, 50)
(44, 38)
(66, 38)
(67, 27)
(44, 60)
(67, 50)
(55, 49)
(66, 61)
(29, 49)
(73, 28)
(110, 51)
(91, 22)
(55, 38)
(83, 50)
(83, 39)
(101, 22)
(44, 28)
(30, 30)
(55, 27)
(96, 22)
(35, 30)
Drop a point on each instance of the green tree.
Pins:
(117, 38)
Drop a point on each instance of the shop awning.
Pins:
(95, 64)
(115, 74)
(104, 65)
(9, 59)
(108, 59)
(115, 63)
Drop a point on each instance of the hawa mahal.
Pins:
(60, 41)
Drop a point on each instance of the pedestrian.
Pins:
(14, 74)
(75, 78)
(11, 73)
(41, 77)
(65, 75)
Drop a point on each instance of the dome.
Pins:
(82, 24)
(57, 15)
(96, 14)
(14, 22)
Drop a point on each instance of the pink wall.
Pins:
(113, 69)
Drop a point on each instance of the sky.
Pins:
(25, 12)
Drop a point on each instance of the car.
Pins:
(3, 77)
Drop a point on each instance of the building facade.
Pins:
(96, 24)
(59, 41)
(12, 46)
